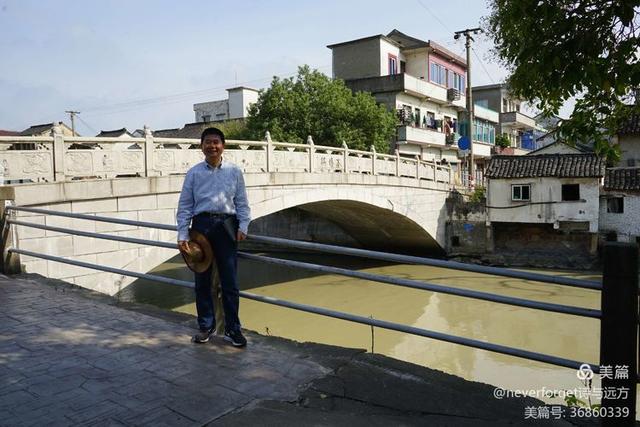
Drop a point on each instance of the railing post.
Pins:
(345, 154)
(10, 262)
(373, 160)
(418, 168)
(267, 137)
(397, 152)
(149, 148)
(58, 153)
(311, 152)
(619, 330)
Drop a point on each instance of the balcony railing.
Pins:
(409, 84)
(517, 120)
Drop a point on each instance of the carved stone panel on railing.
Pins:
(28, 164)
(111, 157)
(386, 166)
(78, 163)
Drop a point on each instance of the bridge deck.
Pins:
(69, 356)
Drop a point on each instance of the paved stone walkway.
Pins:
(72, 357)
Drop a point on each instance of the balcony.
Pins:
(414, 135)
(409, 84)
(517, 120)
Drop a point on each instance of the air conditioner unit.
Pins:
(453, 94)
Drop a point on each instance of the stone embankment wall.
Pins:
(470, 237)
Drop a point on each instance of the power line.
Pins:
(435, 16)
(482, 63)
(179, 96)
(87, 125)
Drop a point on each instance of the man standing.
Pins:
(214, 201)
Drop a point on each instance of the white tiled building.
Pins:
(235, 107)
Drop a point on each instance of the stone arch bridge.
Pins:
(377, 201)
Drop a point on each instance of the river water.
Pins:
(560, 335)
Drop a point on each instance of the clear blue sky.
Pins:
(126, 63)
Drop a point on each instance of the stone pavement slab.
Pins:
(69, 356)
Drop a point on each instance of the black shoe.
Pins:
(235, 338)
(202, 336)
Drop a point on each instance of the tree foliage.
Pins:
(560, 49)
(313, 104)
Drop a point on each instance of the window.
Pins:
(393, 64)
(206, 117)
(570, 192)
(416, 117)
(438, 74)
(521, 192)
(615, 205)
(457, 82)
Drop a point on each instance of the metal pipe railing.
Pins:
(383, 256)
(496, 348)
(538, 305)
(408, 259)
(425, 286)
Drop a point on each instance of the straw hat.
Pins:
(199, 255)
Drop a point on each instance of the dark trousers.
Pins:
(225, 250)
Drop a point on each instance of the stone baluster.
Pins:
(267, 137)
(311, 152)
(10, 262)
(59, 153)
(397, 153)
(373, 160)
(149, 149)
(345, 154)
(418, 168)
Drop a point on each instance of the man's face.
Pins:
(212, 147)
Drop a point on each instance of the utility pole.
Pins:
(467, 33)
(72, 116)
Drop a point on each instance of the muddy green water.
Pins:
(556, 334)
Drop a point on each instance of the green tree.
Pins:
(313, 104)
(560, 49)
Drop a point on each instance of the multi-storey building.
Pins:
(421, 80)
(424, 83)
(235, 107)
(518, 127)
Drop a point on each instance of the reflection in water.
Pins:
(551, 333)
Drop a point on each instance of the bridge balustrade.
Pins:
(618, 316)
(65, 158)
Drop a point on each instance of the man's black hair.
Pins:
(212, 131)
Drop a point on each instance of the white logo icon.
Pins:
(584, 372)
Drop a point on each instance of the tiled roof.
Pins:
(167, 133)
(622, 179)
(546, 165)
(36, 129)
(632, 126)
(8, 133)
(113, 133)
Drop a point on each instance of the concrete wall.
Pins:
(557, 148)
(626, 225)
(217, 110)
(629, 150)
(387, 49)
(357, 60)
(493, 97)
(467, 228)
(417, 64)
(539, 210)
(239, 101)
(540, 245)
